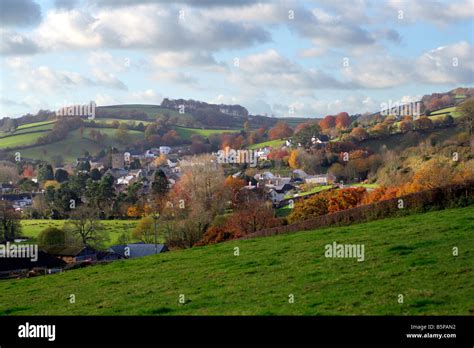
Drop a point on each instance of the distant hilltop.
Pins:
(194, 105)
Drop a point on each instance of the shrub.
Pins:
(50, 237)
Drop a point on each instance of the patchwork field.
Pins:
(273, 143)
(74, 145)
(186, 133)
(411, 256)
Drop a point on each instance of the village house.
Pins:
(262, 153)
(277, 193)
(6, 187)
(72, 254)
(165, 150)
(140, 249)
(322, 179)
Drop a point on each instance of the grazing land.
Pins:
(409, 255)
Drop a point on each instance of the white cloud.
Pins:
(13, 43)
(188, 59)
(434, 11)
(270, 69)
(147, 96)
(378, 72)
(453, 64)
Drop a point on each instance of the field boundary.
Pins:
(418, 202)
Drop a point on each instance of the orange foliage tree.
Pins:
(280, 130)
(343, 120)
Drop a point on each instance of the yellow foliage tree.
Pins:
(293, 160)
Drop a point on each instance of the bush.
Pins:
(50, 237)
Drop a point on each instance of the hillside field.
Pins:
(409, 255)
(74, 145)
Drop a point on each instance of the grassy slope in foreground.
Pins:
(410, 255)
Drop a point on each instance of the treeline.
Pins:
(61, 129)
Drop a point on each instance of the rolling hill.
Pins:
(409, 255)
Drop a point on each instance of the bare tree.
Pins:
(84, 225)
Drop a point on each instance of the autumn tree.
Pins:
(145, 230)
(434, 173)
(423, 124)
(253, 216)
(234, 185)
(293, 160)
(343, 120)
(311, 207)
(327, 122)
(280, 130)
(306, 132)
(406, 126)
(466, 110)
(345, 199)
(359, 134)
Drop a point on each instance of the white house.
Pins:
(322, 179)
(164, 150)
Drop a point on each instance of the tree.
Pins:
(150, 130)
(314, 206)
(423, 124)
(253, 216)
(406, 126)
(466, 110)
(51, 237)
(160, 184)
(234, 185)
(61, 175)
(328, 122)
(45, 172)
(8, 172)
(434, 173)
(9, 222)
(84, 225)
(345, 199)
(359, 134)
(145, 230)
(293, 160)
(246, 126)
(122, 133)
(306, 133)
(343, 120)
(279, 131)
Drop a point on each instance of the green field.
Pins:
(35, 124)
(20, 140)
(44, 127)
(32, 228)
(409, 255)
(152, 111)
(272, 143)
(74, 145)
(315, 189)
(446, 111)
(110, 120)
(186, 133)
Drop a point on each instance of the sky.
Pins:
(284, 58)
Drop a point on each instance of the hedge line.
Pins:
(450, 196)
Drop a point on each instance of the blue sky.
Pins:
(286, 58)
